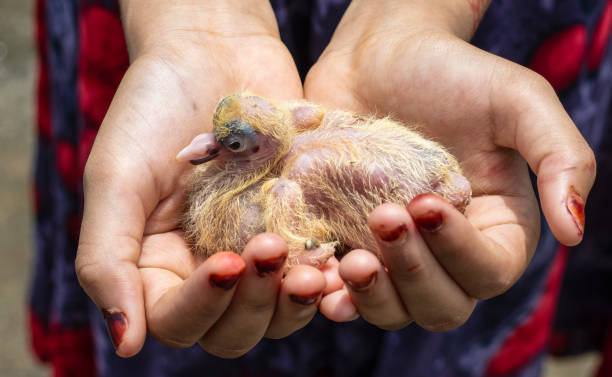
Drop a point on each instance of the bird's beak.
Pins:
(202, 148)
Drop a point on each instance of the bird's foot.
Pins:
(314, 253)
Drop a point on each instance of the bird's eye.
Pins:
(234, 146)
(237, 143)
(239, 136)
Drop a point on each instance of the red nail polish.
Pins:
(116, 324)
(226, 282)
(305, 300)
(430, 221)
(575, 206)
(360, 286)
(393, 234)
(268, 266)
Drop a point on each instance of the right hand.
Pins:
(405, 58)
(132, 259)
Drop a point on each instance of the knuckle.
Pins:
(224, 352)
(415, 271)
(255, 305)
(446, 323)
(170, 340)
(396, 325)
(88, 273)
(492, 287)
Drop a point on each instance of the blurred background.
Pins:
(17, 89)
(17, 72)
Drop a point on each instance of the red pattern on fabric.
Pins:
(38, 338)
(533, 335)
(43, 102)
(560, 57)
(66, 164)
(601, 36)
(103, 59)
(69, 351)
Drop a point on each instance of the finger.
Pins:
(338, 307)
(534, 122)
(372, 292)
(180, 311)
(109, 247)
(246, 319)
(333, 282)
(484, 263)
(431, 296)
(300, 293)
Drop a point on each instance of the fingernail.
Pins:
(430, 221)
(305, 300)
(268, 266)
(360, 286)
(575, 206)
(393, 234)
(226, 282)
(116, 324)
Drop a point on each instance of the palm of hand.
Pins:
(454, 103)
(475, 104)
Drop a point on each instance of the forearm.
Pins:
(151, 23)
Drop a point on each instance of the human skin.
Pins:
(134, 264)
(411, 59)
(132, 259)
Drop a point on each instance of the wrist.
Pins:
(457, 17)
(150, 24)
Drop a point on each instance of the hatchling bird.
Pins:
(309, 175)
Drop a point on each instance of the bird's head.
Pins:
(247, 129)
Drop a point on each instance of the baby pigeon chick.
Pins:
(309, 175)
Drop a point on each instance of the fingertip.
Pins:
(565, 215)
(226, 262)
(358, 266)
(226, 269)
(387, 216)
(117, 292)
(304, 280)
(124, 333)
(338, 307)
(423, 203)
(333, 282)
(266, 243)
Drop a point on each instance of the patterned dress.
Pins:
(82, 58)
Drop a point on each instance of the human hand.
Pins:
(132, 259)
(405, 59)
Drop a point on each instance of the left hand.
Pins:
(494, 116)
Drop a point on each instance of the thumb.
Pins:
(536, 124)
(106, 263)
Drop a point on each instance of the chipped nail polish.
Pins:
(575, 206)
(360, 286)
(268, 266)
(116, 324)
(430, 221)
(226, 282)
(305, 300)
(393, 234)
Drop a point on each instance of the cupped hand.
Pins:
(497, 118)
(132, 259)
